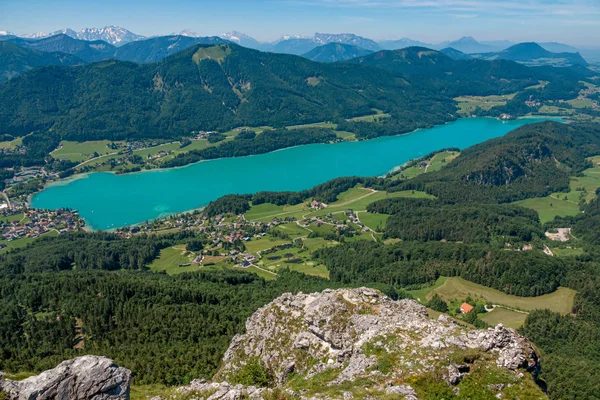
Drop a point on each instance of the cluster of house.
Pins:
(16, 150)
(25, 175)
(583, 95)
(202, 134)
(34, 223)
(242, 260)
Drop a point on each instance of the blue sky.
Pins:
(575, 22)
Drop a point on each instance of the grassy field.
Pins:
(435, 163)
(371, 118)
(567, 252)
(295, 259)
(457, 289)
(171, 257)
(293, 230)
(267, 211)
(12, 144)
(356, 199)
(11, 218)
(22, 242)
(549, 207)
(259, 244)
(374, 221)
(347, 136)
(81, 151)
(510, 318)
(468, 104)
(324, 125)
(585, 103)
(567, 204)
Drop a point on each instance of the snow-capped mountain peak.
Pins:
(189, 32)
(241, 38)
(37, 35)
(6, 33)
(112, 34)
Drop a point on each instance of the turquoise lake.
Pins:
(107, 201)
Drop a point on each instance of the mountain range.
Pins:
(206, 88)
(141, 51)
(295, 44)
(114, 35)
(334, 52)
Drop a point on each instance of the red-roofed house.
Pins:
(465, 308)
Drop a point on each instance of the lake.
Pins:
(108, 201)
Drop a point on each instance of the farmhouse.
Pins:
(465, 308)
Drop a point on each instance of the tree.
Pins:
(436, 303)
(194, 245)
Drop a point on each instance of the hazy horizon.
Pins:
(432, 21)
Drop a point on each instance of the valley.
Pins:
(189, 205)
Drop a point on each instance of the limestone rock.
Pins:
(360, 335)
(82, 378)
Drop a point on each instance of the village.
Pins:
(20, 224)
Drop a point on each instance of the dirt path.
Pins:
(95, 158)
(7, 199)
(262, 269)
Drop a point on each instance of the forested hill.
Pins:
(206, 88)
(456, 77)
(532, 161)
(15, 60)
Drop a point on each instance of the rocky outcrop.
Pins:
(82, 378)
(348, 337)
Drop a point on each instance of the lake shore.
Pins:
(109, 201)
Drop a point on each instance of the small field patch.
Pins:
(455, 288)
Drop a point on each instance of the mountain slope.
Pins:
(333, 52)
(455, 77)
(455, 54)
(88, 51)
(155, 49)
(531, 161)
(15, 60)
(204, 88)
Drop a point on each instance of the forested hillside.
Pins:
(532, 161)
(15, 60)
(233, 86)
(454, 77)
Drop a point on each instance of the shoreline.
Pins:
(84, 175)
(164, 169)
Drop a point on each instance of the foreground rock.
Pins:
(358, 343)
(82, 378)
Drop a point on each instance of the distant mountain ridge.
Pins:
(299, 44)
(334, 52)
(112, 34)
(15, 60)
(533, 54)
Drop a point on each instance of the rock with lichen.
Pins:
(358, 343)
(82, 378)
